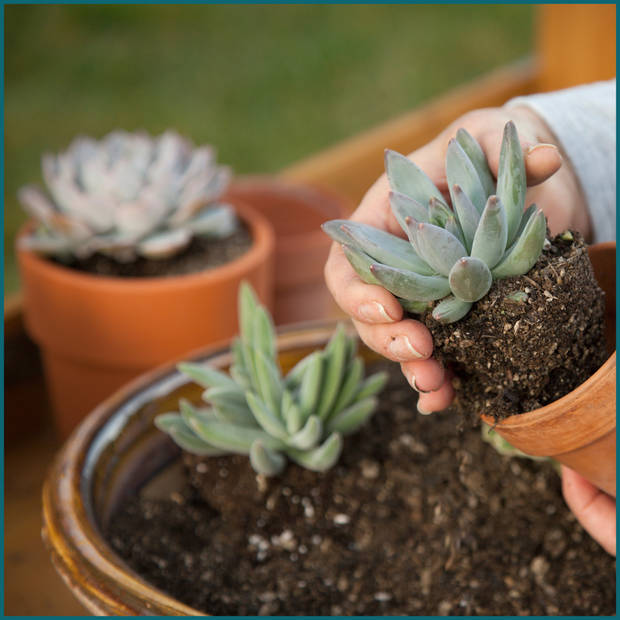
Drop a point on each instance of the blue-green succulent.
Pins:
(258, 411)
(452, 254)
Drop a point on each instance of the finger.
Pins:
(403, 341)
(437, 400)
(423, 375)
(368, 303)
(594, 509)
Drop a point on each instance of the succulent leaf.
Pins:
(308, 436)
(350, 419)
(230, 405)
(525, 251)
(311, 384)
(405, 177)
(489, 241)
(439, 248)
(438, 212)
(266, 417)
(265, 461)
(451, 309)
(460, 171)
(350, 385)
(335, 359)
(361, 263)
(511, 181)
(404, 206)
(291, 413)
(206, 376)
(467, 214)
(476, 155)
(415, 307)
(321, 458)
(470, 279)
(371, 386)
(411, 285)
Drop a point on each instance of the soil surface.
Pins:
(201, 254)
(515, 355)
(419, 517)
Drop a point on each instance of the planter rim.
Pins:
(74, 541)
(263, 242)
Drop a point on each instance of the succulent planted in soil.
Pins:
(257, 411)
(127, 195)
(452, 255)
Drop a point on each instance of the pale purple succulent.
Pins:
(127, 195)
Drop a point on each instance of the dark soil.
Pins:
(510, 356)
(419, 517)
(201, 254)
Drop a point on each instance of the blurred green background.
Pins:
(266, 85)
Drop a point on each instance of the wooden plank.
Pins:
(575, 44)
(351, 166)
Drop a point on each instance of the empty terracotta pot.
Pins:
(579, 429)
(97, 332)
(296, 213)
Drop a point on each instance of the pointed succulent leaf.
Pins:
(404, 207)
(165, 421)
(309, 390)
(189, 412)
(350, 419)
(184, 437)
(349, 386)
(291, 413)
(410, 285)
(460, 171)
(296, 374)
(439, 248)
(476, 155)
(206, 376)
(525, 218)
(451, 309)
(466, 213)
(269, 384)
(371, 386)
(361, 262)
(511, 180)
(218, 221)
(470, 279)
(405, 177)
(522, 256)
(335, 354)
(333, 228)
(309, 436)
(452, 226)
(230, 405)
(414, 307)
(165, 244)
(247, 303)
(263, 334)
(321, 458)
(489, 242)
(265, 416)
(264, 461)
(438, 212)
(237, 439)
(384, 247)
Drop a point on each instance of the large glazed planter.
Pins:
(117, 449)
(579, 430)
(296, 212)
(113, 452)
(97, 332)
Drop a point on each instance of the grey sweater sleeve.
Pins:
(584, 121)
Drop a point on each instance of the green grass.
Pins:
(267, 85)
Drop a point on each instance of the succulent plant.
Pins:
(452, 254)
(127, 195)
(257, 411)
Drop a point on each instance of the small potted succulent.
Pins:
(403, 520)
(519, 316)
(131, 238)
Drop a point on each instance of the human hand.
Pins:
(376, 313)
(594, 509)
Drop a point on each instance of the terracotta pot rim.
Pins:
(74, 541)
(263, 242)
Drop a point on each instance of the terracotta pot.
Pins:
(108, 458)
(296, 212)
(579, 429)
(98, 332)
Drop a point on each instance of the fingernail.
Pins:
(402, 349)
(422, 410)
(374, 312)
(413, 384)
(541, 145)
